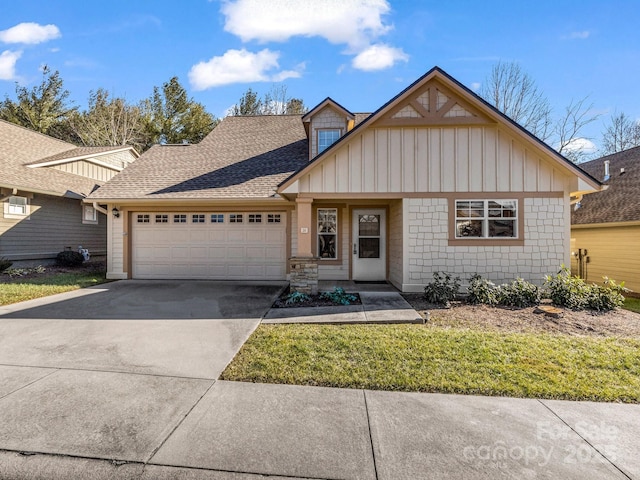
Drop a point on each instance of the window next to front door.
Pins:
(328, 233)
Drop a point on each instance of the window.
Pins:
(326, 138)
(217, 218)
(180, 218)
(327, 233)
(17, 206)
(486, 218)
(255, 218)
(273, 218)
(143, 218)
(89, 214)
(198, 218)
(235, 218)
(162, 218)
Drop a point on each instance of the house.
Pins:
(42, 183)
(605, 226)
(434, 180)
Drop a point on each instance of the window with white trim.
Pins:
(17, 205)
(255, 218)
(273, 218)
(180, 218)
(143, 218)
(328, 233)
(89, 214)
(162, 218)
(486, 219)
(326, 138)
(217, 218)
(198, 218)
(235, 218)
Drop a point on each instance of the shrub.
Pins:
(4, 264)
(603, 298)
(296, 297)
(482, 291)
(338, 295)
(518, 293)
(574, 293)
(21, 272)
(443, 289)
(69, 258)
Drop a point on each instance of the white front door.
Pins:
(369, 249)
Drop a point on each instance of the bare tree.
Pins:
(275, 102)
(621, 133)
(514, 92)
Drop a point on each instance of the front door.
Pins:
(369, 249)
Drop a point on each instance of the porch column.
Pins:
(304, 266)
(303, 207)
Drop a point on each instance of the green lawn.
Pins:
(632, 304)
(45, 285)
(424, 359)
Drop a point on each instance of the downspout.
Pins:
(98, 208)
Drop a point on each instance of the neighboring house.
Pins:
(42, 183)
(605, 227)
(434, 180)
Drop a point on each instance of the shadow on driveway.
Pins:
(154, 300)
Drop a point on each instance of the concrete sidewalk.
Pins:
(242, 431)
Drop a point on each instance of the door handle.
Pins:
(355, 248)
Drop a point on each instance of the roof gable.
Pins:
(327, 102)
(436, 98)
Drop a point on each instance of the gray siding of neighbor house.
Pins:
(53, 224)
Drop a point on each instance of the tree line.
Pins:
(169, 115)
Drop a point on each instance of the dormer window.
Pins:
(327, 137)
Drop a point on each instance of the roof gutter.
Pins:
(15, 189)
(98, 208)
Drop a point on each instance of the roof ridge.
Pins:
(38, 133)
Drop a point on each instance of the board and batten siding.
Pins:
(613, 251)
(53, 224)
(87, 169)
(434, 160)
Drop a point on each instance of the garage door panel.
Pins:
(208, 250)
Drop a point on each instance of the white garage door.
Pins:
(209, 245)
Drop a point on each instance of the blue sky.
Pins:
(359, 52)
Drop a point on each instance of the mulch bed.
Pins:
(91, 267)
(617, 323)
(315, 301)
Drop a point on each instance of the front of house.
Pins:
(434, 180)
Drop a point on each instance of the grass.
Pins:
(423, 359)
(632, 304)
(45, 285)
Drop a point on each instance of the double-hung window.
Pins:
(486, 219)
(17, 206)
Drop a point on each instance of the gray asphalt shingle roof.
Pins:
(243, 157)
(621, 201)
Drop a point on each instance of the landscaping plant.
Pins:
(573, 292)
(296, 297)
(69, 258)
(4, 264)
(338, 295)
(481, 291)
(519, 294)
(443, 289)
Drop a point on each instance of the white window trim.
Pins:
(89, 221)
(7, 207)
(322, 130)
(485, 219)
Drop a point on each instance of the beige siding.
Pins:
(395, 252)
(87, 169)
(613, 252)
(54, 224)
(115, 236)
(434, 160)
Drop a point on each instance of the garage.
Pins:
(209, 245)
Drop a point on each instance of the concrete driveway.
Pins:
(170, 328)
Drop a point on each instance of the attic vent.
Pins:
(622, 171)
(606, 170)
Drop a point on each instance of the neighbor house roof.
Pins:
(21, 147)
(242, 157)
(621, 201)
(79, 153)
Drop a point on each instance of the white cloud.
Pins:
(29, 33)
(8, 61)
(581, 35)
(378, 57)
(581, 144)
(354, 23)
(475, 86)
(240, 66)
